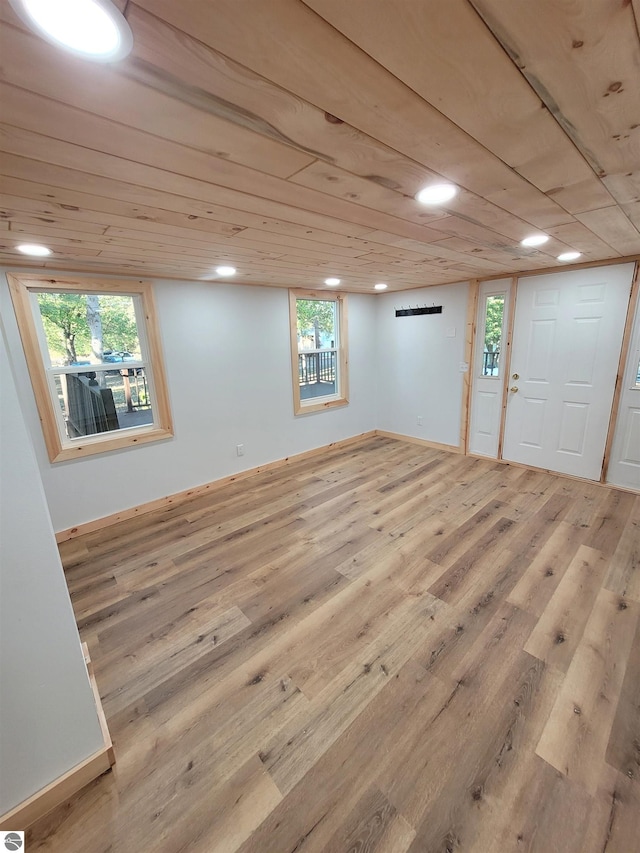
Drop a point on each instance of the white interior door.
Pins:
(488, 367)
(567, 338)
(624, 464)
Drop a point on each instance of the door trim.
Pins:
(513, 296)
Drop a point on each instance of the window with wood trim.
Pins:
(93, 353)
(318, 350)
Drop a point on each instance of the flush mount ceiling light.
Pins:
(92, 29)
(380, 286)
(569, 256)
(534, 240)
(436, 194)
(226, 271)
(332, 282)
(33, 249)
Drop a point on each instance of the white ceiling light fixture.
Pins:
(380, 286)
(34, 249)
(436, 194)
(534, 240)
(332, 282)
(92, 29)
(226, 271)
(569, 256)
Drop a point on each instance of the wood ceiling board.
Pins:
(137, 150)
(540, 209)
(478, 211)
(446, 54)
(36, 146)
(178, 60)
(43, 116)
(632, 211)
(351, 86)
(625, 188)
(46, 200)
(81, 227)
(357, 247)
(62, 246)
(613, 226)
(343, 185)
(341, 145)
(583, 59)
(430, 250)
(139, 167)
(199, 212)
(582, 239)
(301, 123)
(72, 81)
(75, 158)
(69, 223)
(474, 250)
(461, 228)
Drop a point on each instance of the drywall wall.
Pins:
(419, 363)
(49, 722)
(228, 361)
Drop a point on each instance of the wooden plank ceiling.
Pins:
(288, 138)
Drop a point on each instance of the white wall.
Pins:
(228, 361)
(49, 719)
(419, 363)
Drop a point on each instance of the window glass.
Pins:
(494, 315)
(89, 353)
(317, 331)
(95, 361)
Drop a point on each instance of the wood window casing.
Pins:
(59, 449)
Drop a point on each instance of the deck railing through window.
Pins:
(317, 366)
(490, 364)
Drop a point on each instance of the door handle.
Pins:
(513, 389)
(516, 376)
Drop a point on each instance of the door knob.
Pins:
(516, 376)
(513, 389)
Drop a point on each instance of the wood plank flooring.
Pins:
(386, 648)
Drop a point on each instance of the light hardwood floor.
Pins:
(388, 648)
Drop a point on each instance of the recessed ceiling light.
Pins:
(33, 249)
(226, 271)
(332, 282)
(436, 194)
(534, 240)
(93, 29)
(380, 286)
(569, 256)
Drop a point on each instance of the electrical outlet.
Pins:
(240, 449)
(420, 420)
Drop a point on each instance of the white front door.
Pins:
(567, 338)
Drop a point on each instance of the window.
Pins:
(493, 323)
(318, 350)
(93, 354)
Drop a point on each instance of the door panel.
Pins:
(566, 346)
(624, 465)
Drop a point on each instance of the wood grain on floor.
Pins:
(388, 648)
